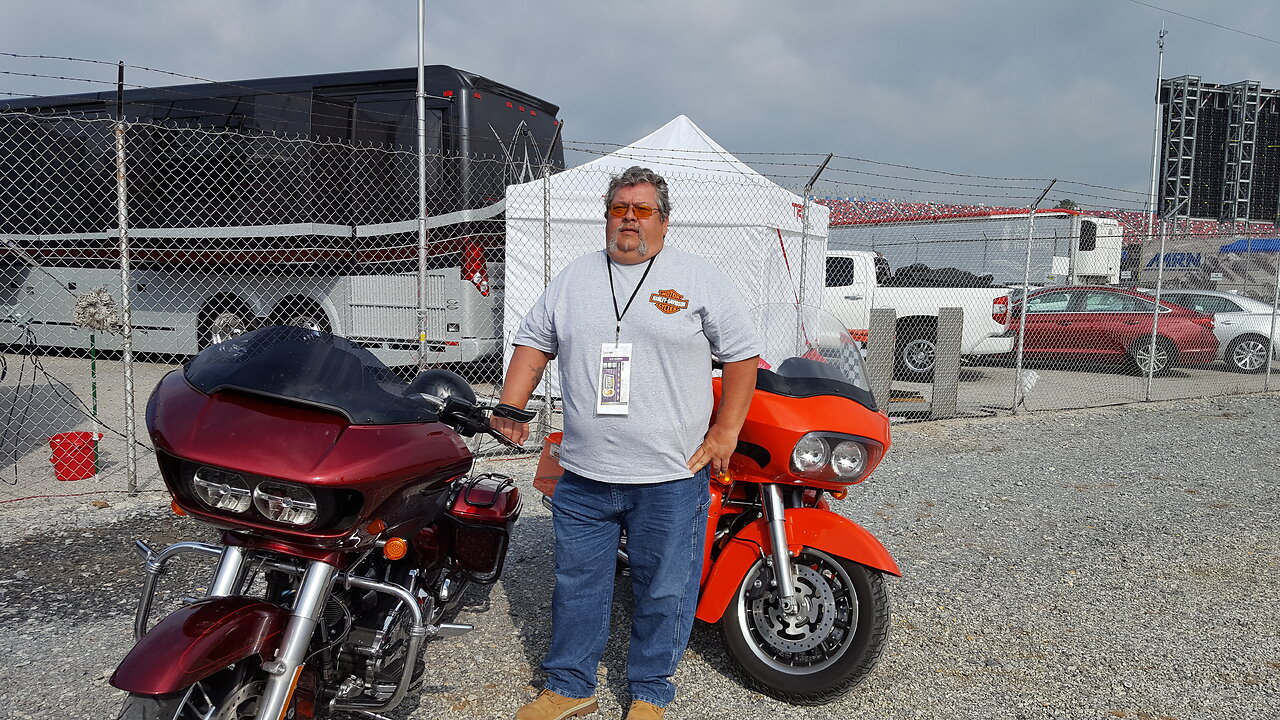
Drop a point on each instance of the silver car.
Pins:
(1242, 326)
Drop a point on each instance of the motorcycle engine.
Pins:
(373, 652)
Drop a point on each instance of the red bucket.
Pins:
(74, 456)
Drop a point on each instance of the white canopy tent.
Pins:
(751, 228)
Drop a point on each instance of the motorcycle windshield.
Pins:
(308, 367)
(808, 352)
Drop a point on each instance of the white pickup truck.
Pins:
(854, 287)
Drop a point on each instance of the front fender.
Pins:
(199, 640)
(806, 527)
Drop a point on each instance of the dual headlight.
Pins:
(827, 454)
(278, 502)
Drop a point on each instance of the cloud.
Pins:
(986, 87)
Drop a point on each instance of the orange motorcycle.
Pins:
(796, 588)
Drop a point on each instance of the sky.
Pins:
(1032, 89)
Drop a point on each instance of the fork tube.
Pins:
(226, 578)
(283, 671)
(775, 514)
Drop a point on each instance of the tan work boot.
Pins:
(554, 706)
(641, 710)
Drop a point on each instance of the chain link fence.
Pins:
(126, 248)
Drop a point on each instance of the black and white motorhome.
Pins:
(282, 200)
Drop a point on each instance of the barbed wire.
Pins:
(234, 85)
(586, 146)
(954, 184)
(63, 77)
(762, 160)
(461, 134)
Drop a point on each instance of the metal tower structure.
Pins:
(1243, 101)
(1182, 112)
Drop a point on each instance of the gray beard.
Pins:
(642, 249)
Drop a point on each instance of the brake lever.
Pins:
(504, 439)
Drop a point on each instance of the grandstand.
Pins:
(858, 211)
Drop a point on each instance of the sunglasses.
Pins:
(642, 211)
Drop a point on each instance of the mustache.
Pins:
(642, 249)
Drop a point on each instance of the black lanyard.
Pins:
(617, 329)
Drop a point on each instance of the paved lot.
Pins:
(989, 388)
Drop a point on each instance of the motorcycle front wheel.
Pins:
(230, 694)
(830, 645)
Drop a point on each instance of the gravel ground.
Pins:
(1108, 563)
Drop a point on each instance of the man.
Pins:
(635, 328)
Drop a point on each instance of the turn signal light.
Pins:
(395, 548)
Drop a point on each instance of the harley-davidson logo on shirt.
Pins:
(669, 301)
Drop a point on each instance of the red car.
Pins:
(1107, 324)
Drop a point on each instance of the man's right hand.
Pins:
(516, 432)
(524, 372)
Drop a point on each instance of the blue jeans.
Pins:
(666, 528)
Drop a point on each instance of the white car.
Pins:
(1242, 326)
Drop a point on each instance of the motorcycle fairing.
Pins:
(806, 527)
(388, 465)
(198, 640)
(776, 421)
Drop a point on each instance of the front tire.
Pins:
(835, 642)
(226, 695)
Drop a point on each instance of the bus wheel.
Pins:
(303, 313)
(222, 319)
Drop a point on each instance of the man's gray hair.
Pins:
(636, 175)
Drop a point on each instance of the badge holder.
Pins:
(614, 388)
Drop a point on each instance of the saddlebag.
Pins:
(482, 513)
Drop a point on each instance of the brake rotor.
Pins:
(243, 703)
(812, 622)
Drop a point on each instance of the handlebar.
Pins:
(469, 418)
(511, 412)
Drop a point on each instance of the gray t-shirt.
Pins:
(686, 311)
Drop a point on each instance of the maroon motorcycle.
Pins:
(350, 526)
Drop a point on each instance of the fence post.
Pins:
(544, 414)
(804, 228)
(1026, 292)
(126, 283)
(881, 341)
(1271, 336)
(946, 364)
(421, 105)
(1155, 312)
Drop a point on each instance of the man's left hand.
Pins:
(714, 450)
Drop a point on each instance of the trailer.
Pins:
(283, 200)
(1065, 246)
